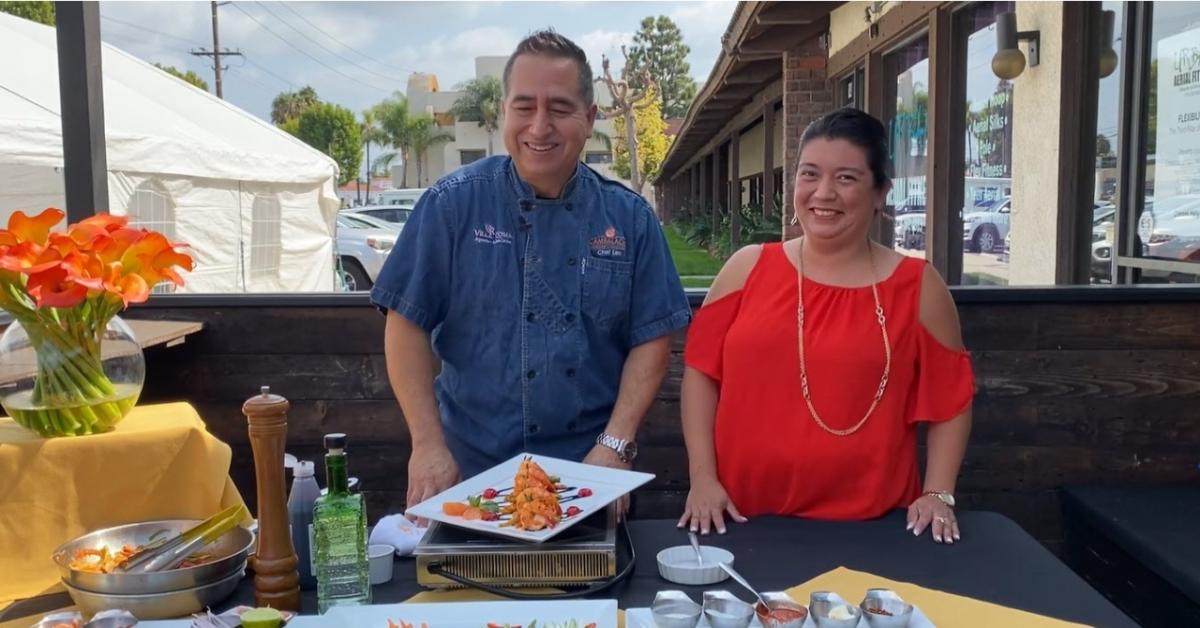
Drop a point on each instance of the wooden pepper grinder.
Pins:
(276, 581)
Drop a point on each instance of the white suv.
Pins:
(985, 231)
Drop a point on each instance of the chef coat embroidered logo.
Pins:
(610, 244)
(489, 234)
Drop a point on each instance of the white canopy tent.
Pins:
(255, 204)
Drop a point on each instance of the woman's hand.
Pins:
(707, 504)
(930, 512)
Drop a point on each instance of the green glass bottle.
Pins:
(340, 535)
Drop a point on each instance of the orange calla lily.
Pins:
(29, 258)
(86, 270)
(35, 229)
(54, 288)
(130, 287)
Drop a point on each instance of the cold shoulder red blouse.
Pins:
(772, 457)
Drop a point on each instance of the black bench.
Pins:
(1140, 547)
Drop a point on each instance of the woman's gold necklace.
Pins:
(887, 346)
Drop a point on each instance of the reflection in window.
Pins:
(265, 237)
(1104, 191)
(597, 157)
(152, 208)
(907, 73)
(1169, 227)
(987, 169)
(470, 156)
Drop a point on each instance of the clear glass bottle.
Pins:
(340, 533)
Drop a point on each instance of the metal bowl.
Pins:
(830, 610)
(778, 600)
(723, 610)
(674, 609)
(896, 613)
(230, 550)
(168, 605)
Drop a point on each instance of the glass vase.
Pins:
(64, 380)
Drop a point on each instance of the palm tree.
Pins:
(481, 103)
(396, 121)
(423, 134)
(288, 105)
(603, 137)
(372, 133)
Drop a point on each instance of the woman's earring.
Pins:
(794, 221)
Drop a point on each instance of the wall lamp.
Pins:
(1009, 62)
(1108, 56)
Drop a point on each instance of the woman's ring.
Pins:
(942, 520)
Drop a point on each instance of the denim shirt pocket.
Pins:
(607, 290)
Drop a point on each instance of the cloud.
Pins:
(604, 43)
(452, 58)
(703, 19)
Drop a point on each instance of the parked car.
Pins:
(363, 243)
(914, 204)
(395, 214)
(406, 197)
(1176, 239)
(1101, 262)
(984, 231)
(910, 231)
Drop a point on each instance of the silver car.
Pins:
(363, 243)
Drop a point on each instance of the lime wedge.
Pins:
(262, 618)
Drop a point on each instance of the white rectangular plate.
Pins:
(642, 618)
(607, 485)
(603, 613)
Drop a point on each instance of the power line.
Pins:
(303, 52)
(343, 44)
(194, 43)
(321, 46)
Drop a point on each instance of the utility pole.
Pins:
(216, 52)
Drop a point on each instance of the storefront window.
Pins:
(1104, 195)
(987, 170)
(1168, 230)
(906, 76)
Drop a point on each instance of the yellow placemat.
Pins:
(946, 610)
(159, 463)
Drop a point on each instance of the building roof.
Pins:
(751, 58)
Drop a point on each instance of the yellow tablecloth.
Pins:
(159, 463)
(945, 610)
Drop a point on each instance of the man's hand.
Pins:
(431, 470)
(604, 457)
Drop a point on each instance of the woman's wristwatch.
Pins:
(944, 496)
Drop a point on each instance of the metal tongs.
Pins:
(170, 552)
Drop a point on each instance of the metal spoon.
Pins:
(696, 546)
(742, 581)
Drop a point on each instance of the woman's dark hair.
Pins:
(859, 128)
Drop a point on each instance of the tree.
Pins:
(626, 99)
(652, 141)
(480, 103)
(659, 44)
(332, 130)
(288, 105)
(423, 134)
(372, 133)
(395, 119)
(1103, 146)
(189, 76)
(41, 12)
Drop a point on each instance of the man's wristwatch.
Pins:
(945, 496)
(626, 449)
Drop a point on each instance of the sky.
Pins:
(355, 54)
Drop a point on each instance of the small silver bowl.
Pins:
(883, 608)
(230, 551)
(723, 610)
(167, 605)
(674, 609)
(830, 610)
(778, 600)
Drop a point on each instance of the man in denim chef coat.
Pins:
(547, 292)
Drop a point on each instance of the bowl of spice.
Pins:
(884, 608)
(781, 611)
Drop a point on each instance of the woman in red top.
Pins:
(812, 361)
